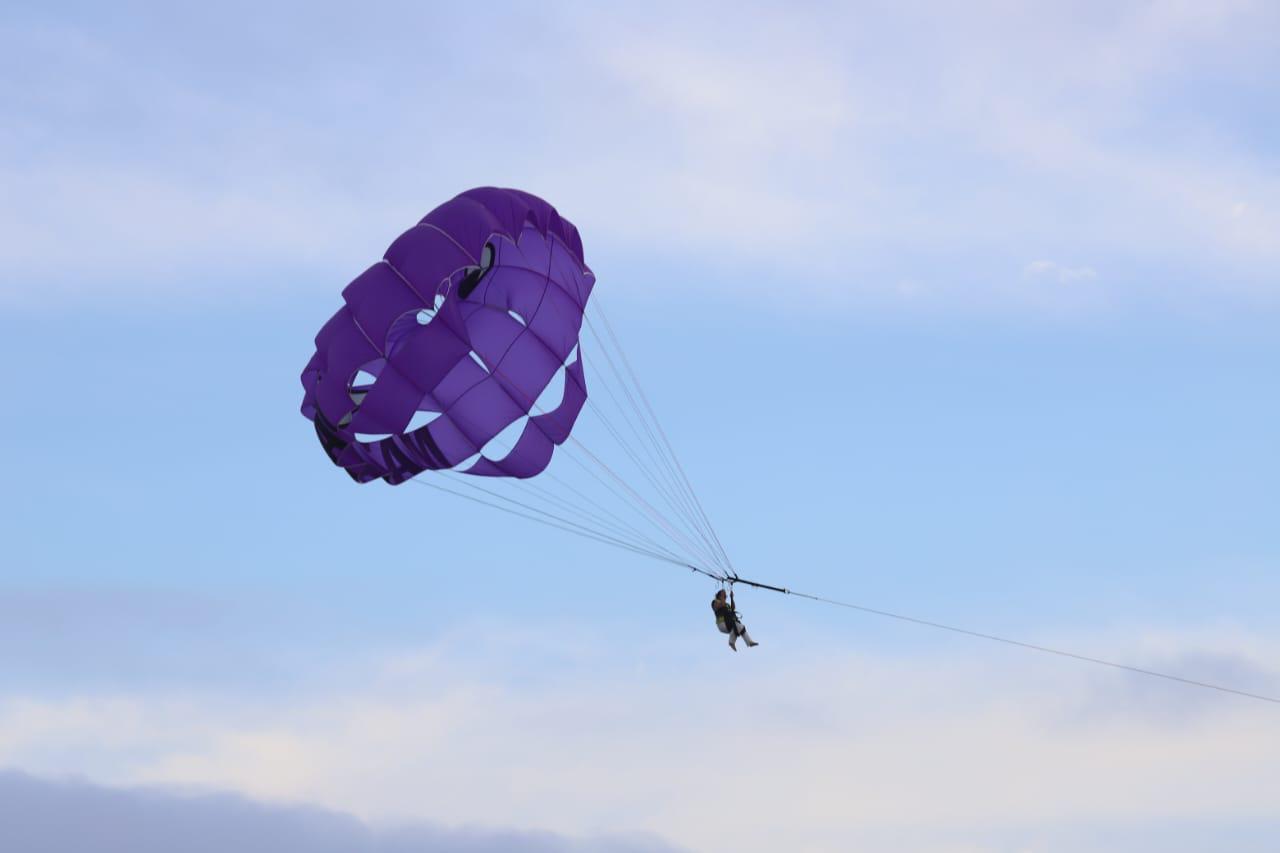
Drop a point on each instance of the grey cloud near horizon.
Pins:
(65, 816)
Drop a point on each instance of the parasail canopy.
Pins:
(452, 338)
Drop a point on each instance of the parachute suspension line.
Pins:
(680, 516)
(576, 515)
(638, 497)
(583, 520)
(618, 524)
(621, 529)
(646, 511)
(673, 459)
(665, 453)
(630, 418)
(651, 448)
(672, 494)
(568, 527)
(683, 476)
(654, 514)
(1006, 640)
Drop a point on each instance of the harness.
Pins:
(727, 618)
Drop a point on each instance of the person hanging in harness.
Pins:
(727, 620)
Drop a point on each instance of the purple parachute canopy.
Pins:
(467, 328)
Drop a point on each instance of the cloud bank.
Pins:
(41, 816)
(807, 749)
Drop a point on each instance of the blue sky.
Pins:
(964, 315)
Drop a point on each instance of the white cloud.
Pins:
(840, 151)
(1059, 272)
(807, 750)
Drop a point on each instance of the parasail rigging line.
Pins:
(571, 512)
(655, 515)
(665, 488)
(560, 524)
(622, 529)
(646, 511)
(683, 476)
(648, 506)
(673, 494)
(582, 521)
(617, 526)
(635, 414)
(651, 449)
(680, 514)
(734, 579)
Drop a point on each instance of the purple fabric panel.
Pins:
(416, 367)
(572, 241)
(492, 333)
(532, 452)
(527, 368)
(425, 257)
(450, 314)
(513, 289)
(427, 355)
(509, 208)
(557, 322)
(452, 442)
(558, 423)
(345, 351)
(531, 250)
(377, 298)
(523, 286)
(341, 343)
(389, 404)
(310, 375)
(360, 462)
(513, 208)
(569, 274)
(485, 411)
(537, 271)
(464, 375)
(525, 207)
(467, 221)
(547, 310)
(530, 455)
(387, 460)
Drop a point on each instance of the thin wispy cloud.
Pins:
(1059, 272)
(794, 146)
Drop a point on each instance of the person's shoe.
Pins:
(751, 643)
(733, 646)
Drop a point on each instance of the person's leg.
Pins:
(742, 632)
(735, 630)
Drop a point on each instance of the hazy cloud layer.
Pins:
(845, 152)
(810, 750)
(40, 816)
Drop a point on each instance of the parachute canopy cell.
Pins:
(453, 338)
